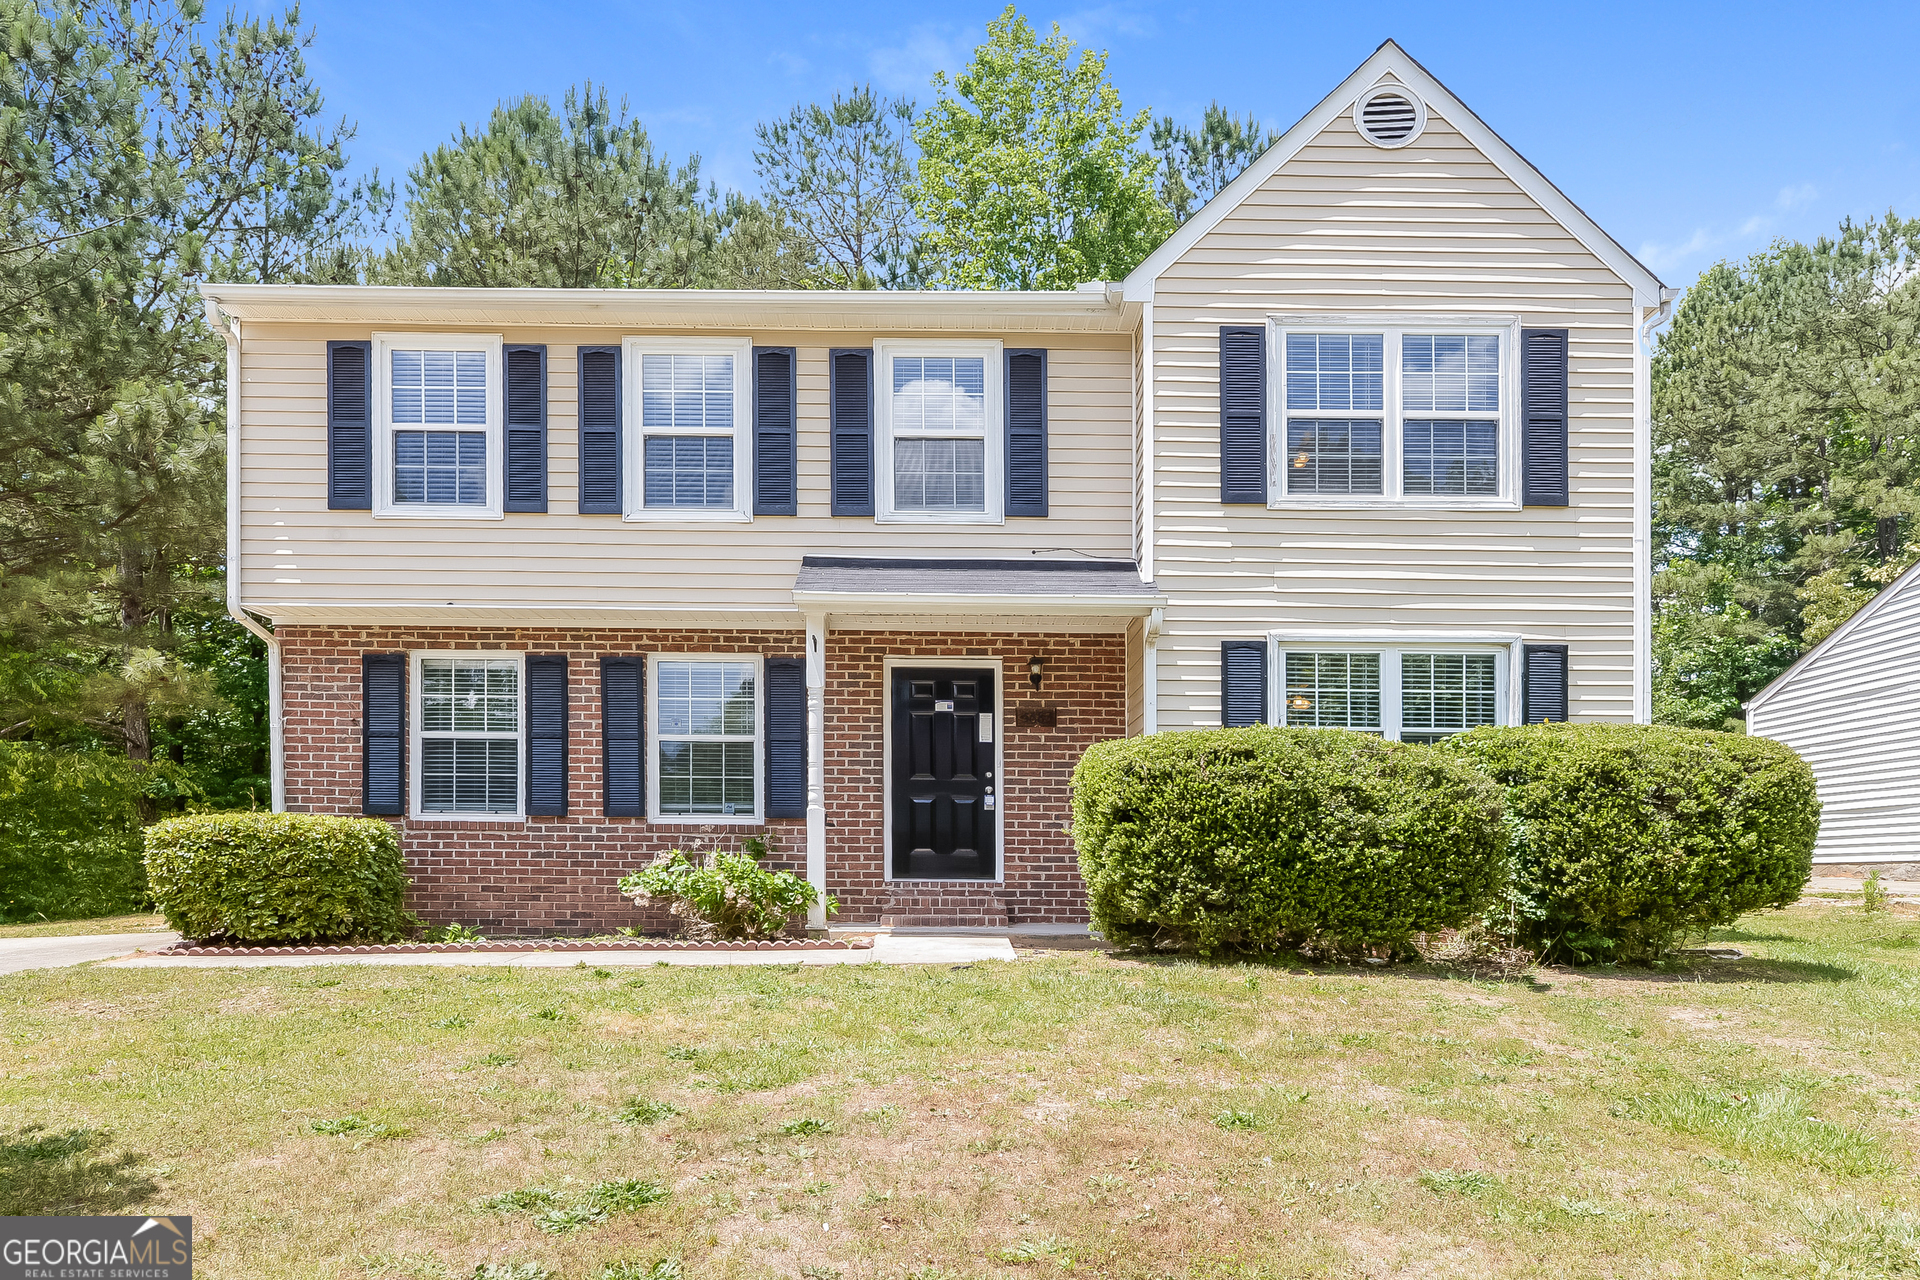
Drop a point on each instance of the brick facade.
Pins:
(556, 875)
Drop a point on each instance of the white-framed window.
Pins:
(1405, 411)
(467, 750)
(705, 737)
(689, 428)
(437, 414)
(938, 431)
(1410, 690)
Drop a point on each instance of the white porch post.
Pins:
(817, 765)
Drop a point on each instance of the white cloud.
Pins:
(1794, 197)
(1093, 27)
(908, 67)
(1749, 234)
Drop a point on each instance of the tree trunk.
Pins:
(135, 725)
(1886, 538)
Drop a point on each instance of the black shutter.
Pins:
(786, 738)
(774, 458)
(1543, 411)
(599, 379)
(546, 699)
(1027, 433)
(383, 733)
(623, 711)
(1544, 692)
(850, 403)
(526, 428)
(1243, 413)
(350, 427)
(1243, 683)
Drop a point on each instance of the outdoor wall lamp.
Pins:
(1033, 671)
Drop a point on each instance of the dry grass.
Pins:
(80, 928)
(1073, 1111)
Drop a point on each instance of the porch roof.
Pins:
(859, 585)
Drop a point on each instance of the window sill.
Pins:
(464, 819)
(706, 820)
(438, 513)
(1394, 504)
(686, 515)
(942, 517)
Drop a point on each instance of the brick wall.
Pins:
(557, 874)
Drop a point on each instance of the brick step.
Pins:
(943, 907)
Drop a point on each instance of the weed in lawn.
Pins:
(560, 1222)
(817, 1272)
(496, 1059)
(69, 1172)
(457, 1022)
(683, 1053)
(603, 973)
(1238, 1120)
(524, 1200)
(645, 1111)
(665, 1269)
(1581, 1208)
(1874, 897)
(817, 1188)
(1850, 1241)
(1774, 1122)
(626, 1195)
(491, 1135)
(1033, 1250)
(553, 1014)
(511, 1271)
(339, 1126)
(454, 933)
(798, 1128)
(1460, 1182)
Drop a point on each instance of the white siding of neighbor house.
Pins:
(1852, 711)
(293, 551)
(1343, 228)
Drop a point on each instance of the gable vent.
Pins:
(1391, 117)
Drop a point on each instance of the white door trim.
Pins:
(997, 665)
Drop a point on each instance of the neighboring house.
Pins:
(562, 578)
(1851, 709)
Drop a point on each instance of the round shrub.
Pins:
(1625, 838)
(278, 877)
(1250, 839)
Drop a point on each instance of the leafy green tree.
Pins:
(1787, 443)
(1031, 176)
(575, 200)
(1196, 164)
(840, 173)
(142, 150)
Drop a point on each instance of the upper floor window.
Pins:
(1416, 415)
(688, 428)
(437, 412)
(938, 446)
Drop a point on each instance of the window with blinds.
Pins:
(706, 736)
(690, 414)
(940, 431)
(469, 736)
(1409, 695)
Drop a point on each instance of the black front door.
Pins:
(941, 775)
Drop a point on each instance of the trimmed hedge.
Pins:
(1256, 838)
(1626, 838)
(278, 877)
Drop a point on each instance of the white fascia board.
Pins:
(958, 309)
(1806, 660)
(421, 613)
(847, 603)
(1390, 61)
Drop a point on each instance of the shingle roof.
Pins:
(868, 576)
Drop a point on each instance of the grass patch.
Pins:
(1129, 1118)
(142, 923)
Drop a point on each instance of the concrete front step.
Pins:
(943, 906)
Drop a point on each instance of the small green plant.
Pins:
(1033, 1250)
(453, 933)
(645, 1111)
(682, 1052)
(1873, 894)
(551, 1014)
(453, 1022)
(496, 1059)
(625, 1196)
(665, 1269)
(523, 1200)
(817, 1272)
(1460, 1182)
(560, 1222)
(723, 895)
(337, 1127)
(511, 1271)
(799, 1128)
(1237, 1120)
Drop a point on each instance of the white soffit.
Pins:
(1392, 63)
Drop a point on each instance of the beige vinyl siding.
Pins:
(293, 550)
(1347, 228)
(1852, 711)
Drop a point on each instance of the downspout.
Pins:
(229, 328)
(1643, 507)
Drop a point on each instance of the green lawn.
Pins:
(1073, 1111)
(76, 928)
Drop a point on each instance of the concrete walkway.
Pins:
(18, 954)
(886, 949)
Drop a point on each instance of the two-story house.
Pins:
(559, 579)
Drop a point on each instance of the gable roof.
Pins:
(1806, 660)
(1392, 63)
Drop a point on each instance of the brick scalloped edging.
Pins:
(511, 947)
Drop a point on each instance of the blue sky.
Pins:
(1690, 132)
